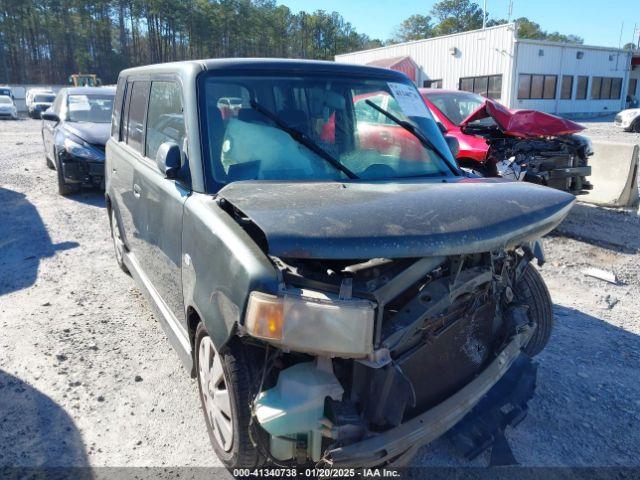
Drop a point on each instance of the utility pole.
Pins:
(484, 15)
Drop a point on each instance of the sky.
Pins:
(599, 22)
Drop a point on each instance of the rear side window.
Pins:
(165, 120)
(138, 100)
(116, 115)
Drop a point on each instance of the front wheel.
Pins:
(533, 292)
(64, 188)
(224, 384)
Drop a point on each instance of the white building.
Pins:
(521, 73)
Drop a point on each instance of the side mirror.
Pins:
(454, 146)
(168, 159)
(50, 116)
(442, 128)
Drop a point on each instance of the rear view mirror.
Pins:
(50, 116)
(168, 159)
(454, 146)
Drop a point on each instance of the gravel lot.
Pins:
(88, 378)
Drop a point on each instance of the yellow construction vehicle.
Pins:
(84, 80)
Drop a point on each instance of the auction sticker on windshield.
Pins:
(409, 100)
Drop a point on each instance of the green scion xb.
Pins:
(341, 290)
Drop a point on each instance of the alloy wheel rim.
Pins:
(216, 400)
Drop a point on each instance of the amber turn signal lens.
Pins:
(265, 316)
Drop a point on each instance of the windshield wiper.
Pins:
(409, 127)
(303, 139)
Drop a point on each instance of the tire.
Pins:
(118, 242)
(233, 376)
(636, 126)
(532, 291)
(63, 187)
(50, 164)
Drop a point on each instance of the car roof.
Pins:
(267, 65)
(89, 90)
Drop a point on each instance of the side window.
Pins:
(116, 115)
(165, 120)
(135, 119)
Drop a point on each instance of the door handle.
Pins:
(136, 190)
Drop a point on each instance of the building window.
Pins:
(495, 86)
(567, 87)
(489, 86)
(606, 88)
(581, 88)
(633, 85)
(550, 82)
(616, 88)
(537, 87)
(432, 83)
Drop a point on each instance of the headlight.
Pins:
(312, 322)
(78, 150)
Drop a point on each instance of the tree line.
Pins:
(45, 41)
(455, 16)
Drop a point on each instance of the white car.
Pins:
(628, 120)
(38, 100)
(8, 108)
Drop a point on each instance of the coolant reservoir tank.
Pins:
(296, 403)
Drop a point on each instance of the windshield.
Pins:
(5, 100)
(5, 91)
(320, 111)
(94, 108)
(457, 106)
(44, 98)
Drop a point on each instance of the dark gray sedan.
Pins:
(74, 132)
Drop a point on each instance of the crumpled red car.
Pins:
(519, 144)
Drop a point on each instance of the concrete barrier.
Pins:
(614, 175)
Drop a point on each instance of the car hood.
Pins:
(522, 123)
(93, 133)
(400, 219)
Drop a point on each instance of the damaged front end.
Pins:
(367, 359)
(532, 146)
(377, 381)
